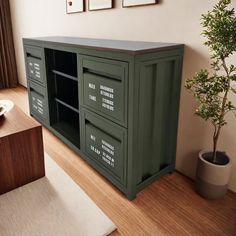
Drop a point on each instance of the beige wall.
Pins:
(169, 21)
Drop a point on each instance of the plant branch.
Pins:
(222, 113)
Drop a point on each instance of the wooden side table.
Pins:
(21, 150)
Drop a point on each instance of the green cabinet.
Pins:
(115, 103)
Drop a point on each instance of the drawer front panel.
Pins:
(38, 104)
(34, 51)
(104, 86)
(38, 101)
(34, 64)
(34, 69)
(105, 144)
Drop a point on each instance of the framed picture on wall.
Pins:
(94, 5)
(73, 6)
(133, 3)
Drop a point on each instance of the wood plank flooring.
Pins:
(170, 206)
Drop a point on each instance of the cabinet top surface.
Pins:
(131, 47)
(16, 121)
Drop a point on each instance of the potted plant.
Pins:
(211, 90)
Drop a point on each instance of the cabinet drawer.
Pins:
(38, 102)
(34, 64)
(105, 144)
(34, 69)
(34, 51)
(104, 85)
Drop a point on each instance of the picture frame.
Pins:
(75, 6)
(95, 5)
(135, 3)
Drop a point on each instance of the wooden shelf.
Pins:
(66, 105)
(65, 75)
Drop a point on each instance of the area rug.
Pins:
(51, 206)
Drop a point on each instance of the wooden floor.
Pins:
(170, 206)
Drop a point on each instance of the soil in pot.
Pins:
(221, 158)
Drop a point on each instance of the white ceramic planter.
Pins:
(212, 179)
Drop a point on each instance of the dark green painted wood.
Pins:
(34, 51)
(153, 178)
(128, 47)
(38, 101)
(132, 168)
(37, 86)
(34, 64)
(160, 104)
(155, 96)
(81, 51)
(104, 87)
(141, 132)
(105, 143)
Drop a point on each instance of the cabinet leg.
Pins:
(172, 170)
(131, 196)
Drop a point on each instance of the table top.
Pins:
(16, 121)
(130, 47)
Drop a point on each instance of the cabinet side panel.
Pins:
(158, 116)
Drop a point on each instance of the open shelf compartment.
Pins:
(63, 94)
(67, 124)
(66, 90)
(64, 62)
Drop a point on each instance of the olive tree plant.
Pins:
(212, 88)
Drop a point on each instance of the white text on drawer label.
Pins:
(93, 98)
(105, 88)
(108, 159)
(108, 145)
(93, 137)
(106, 94)
(95, 150)
(111, 108)
(107, 153)
(92, 86)
(108, 101)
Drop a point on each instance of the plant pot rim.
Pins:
(200, 155)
